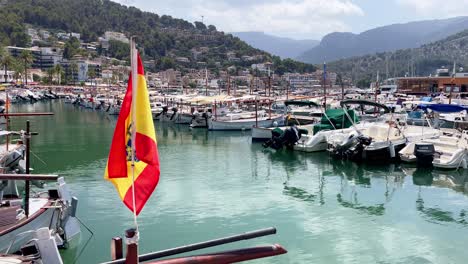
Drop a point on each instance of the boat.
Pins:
(266, 133)
(303, 112)
(21, 216)
(445, 152)
(41, 249)
(334, 121)
(238, 122)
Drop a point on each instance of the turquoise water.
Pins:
(215, 184)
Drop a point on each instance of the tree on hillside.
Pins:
(27, 58)
(199, 25)
(166, 63)
(118, 50)
(72, 47)
(212, 28)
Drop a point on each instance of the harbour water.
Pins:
(215, 184)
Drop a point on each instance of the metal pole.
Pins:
(269, 108)
(7, 108)
(202, 245)
(134, 61)
(28, 146)
(324, 85)
(256, 112)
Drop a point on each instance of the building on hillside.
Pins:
(111, 35)
(67, 36)
(43, 58)
(50, 57)
(33, 34)
(83, 70)
(436, 84)
(171, 76)
(44, 34)
(35, 52)
(302, 81)
(261, 67)
(182, 59)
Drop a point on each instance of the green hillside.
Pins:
(421, 61)
(159, 37)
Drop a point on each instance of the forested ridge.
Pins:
(160, 37)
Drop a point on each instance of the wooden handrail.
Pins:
(29, 177)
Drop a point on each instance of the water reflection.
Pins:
(218, 183)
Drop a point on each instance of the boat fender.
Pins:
(464, 163)
(392, 150)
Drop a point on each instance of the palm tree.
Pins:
(58, 70)
(18, 69)
(74, 68)
(50, 73)
(91, 74)
(27, 58)
(6, 62)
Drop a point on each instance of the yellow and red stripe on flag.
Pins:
(119, 164)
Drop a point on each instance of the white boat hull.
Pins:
(243, 124)
(44, 219)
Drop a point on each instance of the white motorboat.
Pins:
(265, 133)
(445, 152)
(240, 123)
(378, 141)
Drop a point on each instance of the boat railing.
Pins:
(14, 239)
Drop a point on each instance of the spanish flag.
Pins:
(119, 169)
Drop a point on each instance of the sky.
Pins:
(303, 19)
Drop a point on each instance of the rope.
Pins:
(87, 241)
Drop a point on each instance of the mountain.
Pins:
(279, 46)
(388, 38)
(162, 38)
(421, 61)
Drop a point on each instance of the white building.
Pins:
(111, 35)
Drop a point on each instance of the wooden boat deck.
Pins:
(8, 214)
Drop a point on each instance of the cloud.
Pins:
(435, 8)
(294, 18)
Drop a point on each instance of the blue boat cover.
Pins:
(443, 108)
(426, 99)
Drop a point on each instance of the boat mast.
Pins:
(206, 81)
(452, 83)
(324, 85)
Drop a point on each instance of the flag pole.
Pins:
(134, 66)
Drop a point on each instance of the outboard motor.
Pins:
(164, 111)
(32, 99)
(287, 138)
(424, 153)
(174, 113)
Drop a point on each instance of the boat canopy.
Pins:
(336, 119)
(301, 103)
(443, 108)
(364, 102)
